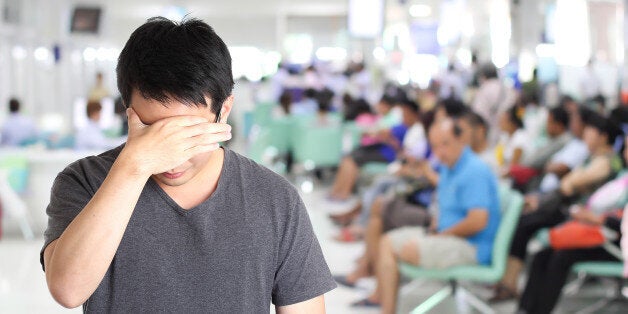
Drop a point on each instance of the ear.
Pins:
(227, 105)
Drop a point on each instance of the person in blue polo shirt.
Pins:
(464, 228)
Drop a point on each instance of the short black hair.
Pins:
(603, 125)
(475, 120)
(489, 71)
(14, 105)
(185, 61)
(453, 107)
(513, 116)
(412, 105)
(560, 115)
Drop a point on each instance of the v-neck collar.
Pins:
(219, 187)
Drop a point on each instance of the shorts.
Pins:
(435, 251)
(365, 154)
(398, 213)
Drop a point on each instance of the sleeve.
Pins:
(476, 192)
(68, 197)
(302, 273)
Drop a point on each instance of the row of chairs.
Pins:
(14, 173)
(511, 205)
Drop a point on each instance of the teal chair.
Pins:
(317, 147)
(14, 174)
(17, 172)
(600, 269)
(262, 113)
(281, 133)
(511, 203)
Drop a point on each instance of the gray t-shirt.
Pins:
(249, 243)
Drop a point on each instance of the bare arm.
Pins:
(76, 262)
(311, 306)
(558, 169)
(581, 178)
(476, 221)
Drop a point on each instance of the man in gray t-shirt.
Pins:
(170, 221)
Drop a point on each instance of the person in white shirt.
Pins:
(515, 140)
(91, 136)
(589, 83)
(451, 84)
(17, 128)
(492, 99)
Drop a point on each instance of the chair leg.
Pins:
(434, 300)
(474, 301)
(409, 287)
(574, 286)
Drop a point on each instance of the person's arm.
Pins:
(311, 306)
(476, 221)
(516, 156)
(76, 262)
(557, 168)
(578, 179)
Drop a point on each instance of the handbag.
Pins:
(576, 235)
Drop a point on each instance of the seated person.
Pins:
(17, 128)
(389, 143)
(515, 142)
(91, 137)
(474, 133)
(599, 135)
(558, 136)
(465, 226)
(571, 156)
(550, 267)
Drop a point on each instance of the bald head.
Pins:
(446, 141)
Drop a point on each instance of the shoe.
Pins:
(503, 293)
(365, 303)
(342, 280)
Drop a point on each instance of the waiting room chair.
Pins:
(13, 205)
(605, 269)
(511, 203)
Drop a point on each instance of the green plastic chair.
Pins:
(17, 172)
(281, 133)
(317, 147)
(512, 203)
(262, 113)
(600, 269)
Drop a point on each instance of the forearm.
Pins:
(558, 169)
(583, 178)
(465, 228)
(79, 259)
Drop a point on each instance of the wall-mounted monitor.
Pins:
(85, 20)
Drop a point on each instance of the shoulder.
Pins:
(259, 182)
(476, 169)
(91, 170)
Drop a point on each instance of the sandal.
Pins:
(365, 303)
(503, 293)
(342, 280)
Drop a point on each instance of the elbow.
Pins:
(65, 299)
(479, 225)
(65, 295)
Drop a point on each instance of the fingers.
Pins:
(207, 139)
(134, 120)
(205, 128)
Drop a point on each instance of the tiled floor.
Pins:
(23, 288)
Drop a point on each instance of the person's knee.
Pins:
(409, 252)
